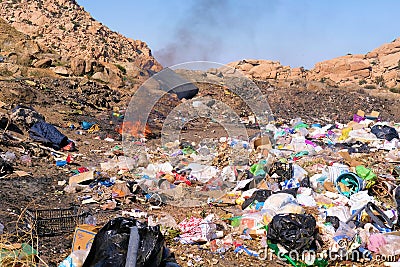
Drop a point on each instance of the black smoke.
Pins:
(197, 35)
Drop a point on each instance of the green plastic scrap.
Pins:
(299, 154)
(275, 248)
(235, 221)
(257, 169)
(320, 263)
(366, 174)
(188, 150)
(301, 125)
(279, 133)
(24, 252)
(117, 147)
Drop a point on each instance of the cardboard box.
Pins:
(374, 114)
(83, 236)
(82, 177)
(361, 113)
(263, 142)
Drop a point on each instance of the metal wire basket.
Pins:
(47, 222)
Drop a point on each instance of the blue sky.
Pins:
(294, 32)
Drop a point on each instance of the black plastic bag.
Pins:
(283, 170)
(262, 195)
(110, 246)
(5, 167)
(290, 191)
(334, 221)
(295, 232)
(356, 147)
(48, 135)
(385, 132)
(259, 195)
(305, 182)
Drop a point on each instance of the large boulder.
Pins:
(60, 70)
(43, 63)
(78, 66)
(111, 74)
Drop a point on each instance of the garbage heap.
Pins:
(311, 194)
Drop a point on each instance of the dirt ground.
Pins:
(66, 102)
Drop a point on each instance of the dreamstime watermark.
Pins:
(310, 256)
(181, 79)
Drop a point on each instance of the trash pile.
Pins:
(299, 193)
(313, 194)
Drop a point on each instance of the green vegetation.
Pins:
(370, 86)
(395, 90)
(6, 73)
(379, 80)
(90, 74)
(121, 68)
(27, 21)
(361, 82)
(76, 24)
(60, 63)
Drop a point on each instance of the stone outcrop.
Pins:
(110, 74)
(64, 28)
(342, 70)
(272, 71)
(42, 63)
(60, 37)
(378, 68)
(16, 46)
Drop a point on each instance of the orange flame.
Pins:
(134, 128)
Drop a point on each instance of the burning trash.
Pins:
(135, 129)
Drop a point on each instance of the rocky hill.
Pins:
(22, 57)
(58, 37)
(84, 45)
(378, 68)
